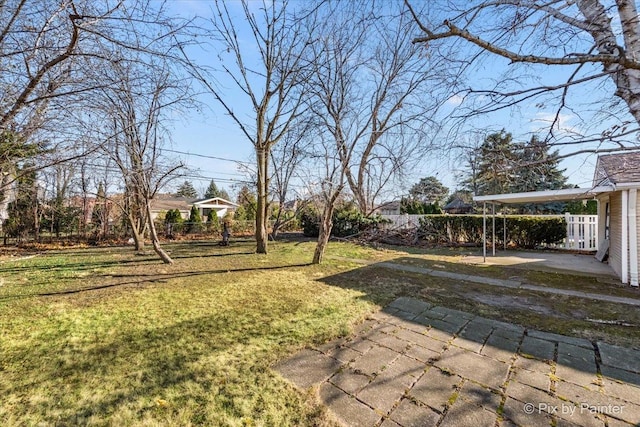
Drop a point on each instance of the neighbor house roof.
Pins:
(456, 204)
(394, 204)
(214, 201)
(620, 168)
(164, 202)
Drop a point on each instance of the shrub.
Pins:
(213, 222)
(309, 218)
(347, 221)
(173, 221)
(523, 231)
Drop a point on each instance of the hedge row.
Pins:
(523, 231)
(347, 221)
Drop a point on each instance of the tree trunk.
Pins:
(138, 239)
(138, 233)
(275, 229)
(627, 80)
(262, 205)
(154, 239)
(326, 224)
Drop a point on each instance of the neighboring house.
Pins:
(615, 186)
(389, 208)
(291, 205)
(219, 205)
(457, 206)
(86, 206)
(163, 203)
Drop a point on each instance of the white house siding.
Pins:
(615, 233)
(637, 230)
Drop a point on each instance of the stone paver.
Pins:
(484, 370)
(377, 358)
(538, 348)
(465, 415)
(532, 378)
(435, 388)
(408, 414)
(346, 408)
(349, 381)
(413, 364)
(620, 357)
(308, 367)
(386, 389)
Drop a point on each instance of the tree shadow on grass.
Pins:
(140, 260)
(145, 279)
(148, 364)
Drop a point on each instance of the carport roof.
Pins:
(545, 196)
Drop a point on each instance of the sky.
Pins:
(218, 150)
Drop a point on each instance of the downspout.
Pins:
(633, 237)
(624, 243)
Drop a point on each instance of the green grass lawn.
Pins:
(106, 337)
(102, 336)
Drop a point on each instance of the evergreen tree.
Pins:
(501, 166)
(173, 221)
(539, 170)
(24, 213)
(212, 191)
(213, 222)
(187, 190)
(496, 164)
(429, 190)
(195, 219)
(240, 214)
(194, 215)
(248, 201)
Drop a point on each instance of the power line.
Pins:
(207, 156)
(195, 176)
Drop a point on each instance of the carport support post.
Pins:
(484, 231)
(504, 230)
(493, 231)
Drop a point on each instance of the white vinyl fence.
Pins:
(401, 221)
(582, 230)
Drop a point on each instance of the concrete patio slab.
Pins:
(413, 364)
(577, 263)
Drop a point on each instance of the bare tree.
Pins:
(372, 97)
(267, 71)
(589, 46)
(326, 183)
(287, 157)
(134, 114)
(52, 52)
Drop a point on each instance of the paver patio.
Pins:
(413, 364)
